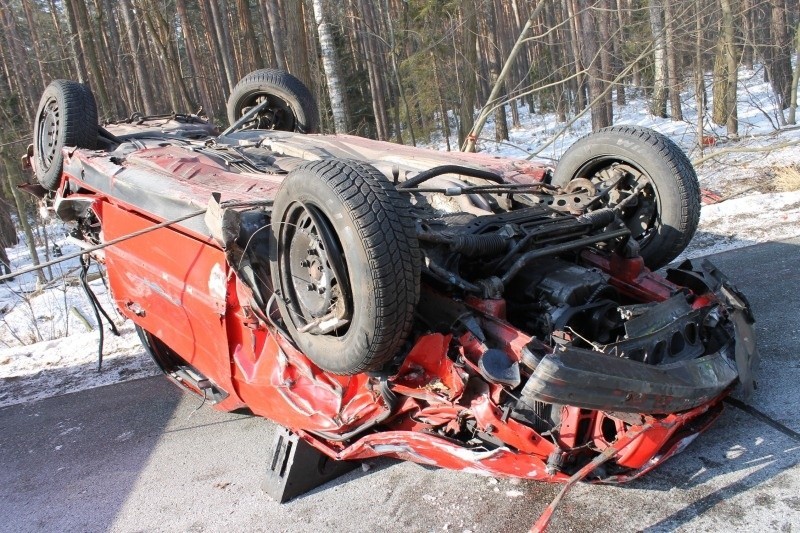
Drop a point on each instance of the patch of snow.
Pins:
(69, 364)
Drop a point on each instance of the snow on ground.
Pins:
(46, 350)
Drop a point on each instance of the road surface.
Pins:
(143, 456)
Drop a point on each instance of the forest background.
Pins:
(404, 71)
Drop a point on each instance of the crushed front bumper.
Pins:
(596, 380)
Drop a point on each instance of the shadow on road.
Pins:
(69, 465)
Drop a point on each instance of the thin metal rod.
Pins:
(558, 248)
(103, 245)
(244, 118)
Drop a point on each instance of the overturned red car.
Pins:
(458, 310)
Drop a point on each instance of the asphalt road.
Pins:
(143, 456)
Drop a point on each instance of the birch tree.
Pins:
(330, 63)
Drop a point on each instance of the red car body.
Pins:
(177, 284)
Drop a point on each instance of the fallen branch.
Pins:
(469, 144)
(743, 149)
(75, 311)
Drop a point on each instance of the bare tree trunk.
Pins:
(468, 65)
(74, 44)
(658, 105)
(602, 17)
(108, 70)
(8, 237)
(23, 217)
(699, 81)
(469, 145)
(18, 63)
(223, 38)
(269, 46)
(575, 36)
(490, 31)
(330, 63)
(442, 105)
(780, 69)
(169, 56)
(557, 54)
(122, 61)
(297, 58)
(134, 40)
(795, 78)
(731, 65)
(619, 39)
(748, 34)
(216, 66)
(252, 59)
(191, 50)
(276, 30)
(673, 75)
(60, 41)
(396, 71)
(37, 52)
(369, 30)
(591, 59)
(87, 42)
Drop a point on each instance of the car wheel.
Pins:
(291, 106)
(345, 264)
(67, 116)
(665, 210)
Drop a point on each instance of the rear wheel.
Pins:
(67, 116)
(655, 192)
(290, 107)
(345, 264)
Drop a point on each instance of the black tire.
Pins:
(291, 108)
(67, 116)
(342, 228)
(665, 216)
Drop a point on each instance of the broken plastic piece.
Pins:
(296, 467)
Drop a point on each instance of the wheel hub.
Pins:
(311, 276)
(315, 272)
(49, 127)
(273, 117)
(636, 191)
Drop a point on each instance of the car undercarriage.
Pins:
(457, 310)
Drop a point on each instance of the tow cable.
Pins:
(112, 242)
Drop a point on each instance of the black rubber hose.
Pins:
(598, 219)
(425, 175)
(88, 291)
(526, 258)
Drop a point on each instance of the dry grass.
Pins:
(787, 178)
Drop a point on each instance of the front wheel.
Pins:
(655, 188)
(345, 264)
